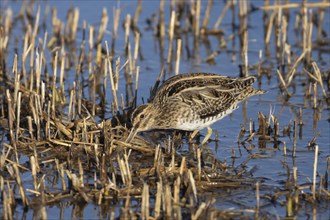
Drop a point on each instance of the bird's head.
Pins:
(143, 118)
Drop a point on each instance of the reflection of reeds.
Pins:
(52, 120)
(314, 171)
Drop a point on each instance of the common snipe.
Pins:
(192, 102)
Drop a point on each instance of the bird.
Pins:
(192, 102)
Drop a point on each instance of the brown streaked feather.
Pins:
(201, 82)
(207, 102)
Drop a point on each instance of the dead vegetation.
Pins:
(62, 139)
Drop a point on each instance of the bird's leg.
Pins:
(193, 134)
(207, 136)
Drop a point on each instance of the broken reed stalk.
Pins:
(314, 95)
(294, 138)
(43, 94)
(20, 185)
(199, 211)
(33, 39)
(105, 77)
(262, 124)
(207, 14)
(293, 69)
(178, 55)
(284, 86)
(122, 101)
(111, 76)
(193, 185)
(90, 54)
(309, 33)
(168, 201)
(25, 53)
(16, 81)
(259, 63)
(116, 18)
(199, 163)
(223, 12)
(8, 200)
(257, 199)
(103, 26)
(171, 36)
(81, 172)
(18, 117)
(37, 74)
(34, 171)
(29, 118)
(284, 45)
(137, 79)
(7, 212)
(243, 30)
(44, 42)
(251, 127)
(8, 21)
(276, 127)
(11, 122)
(102, 170)
(74, 24)
(125, 170)
(136, 49)
(127, 26)
(145, 202)
(319, 78)
(62, 92)
(289, 205)
(176, 200)
(197, 18)
(320, 12)
(314, 171)
(294, 175)
(296, 5)
(129, 67)
(48, 121)
(157, 156)
(270, 28)
(300, 117)
(304, 28)
(161, 20)
(5, 28)
(172, 165)
(158, 199)
(54, 95)
(138, 11)
(70, 108)
(74, 100)
(278, 32)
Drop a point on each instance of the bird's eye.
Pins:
(142, 116)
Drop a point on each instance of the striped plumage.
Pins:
(192, 102)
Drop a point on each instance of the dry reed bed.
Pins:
(74, 157)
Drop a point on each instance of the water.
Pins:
(270, 170)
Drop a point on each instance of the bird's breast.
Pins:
(197, 123)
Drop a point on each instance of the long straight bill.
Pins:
(131, 135)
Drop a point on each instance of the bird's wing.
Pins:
(199, 82)
(207, 102)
